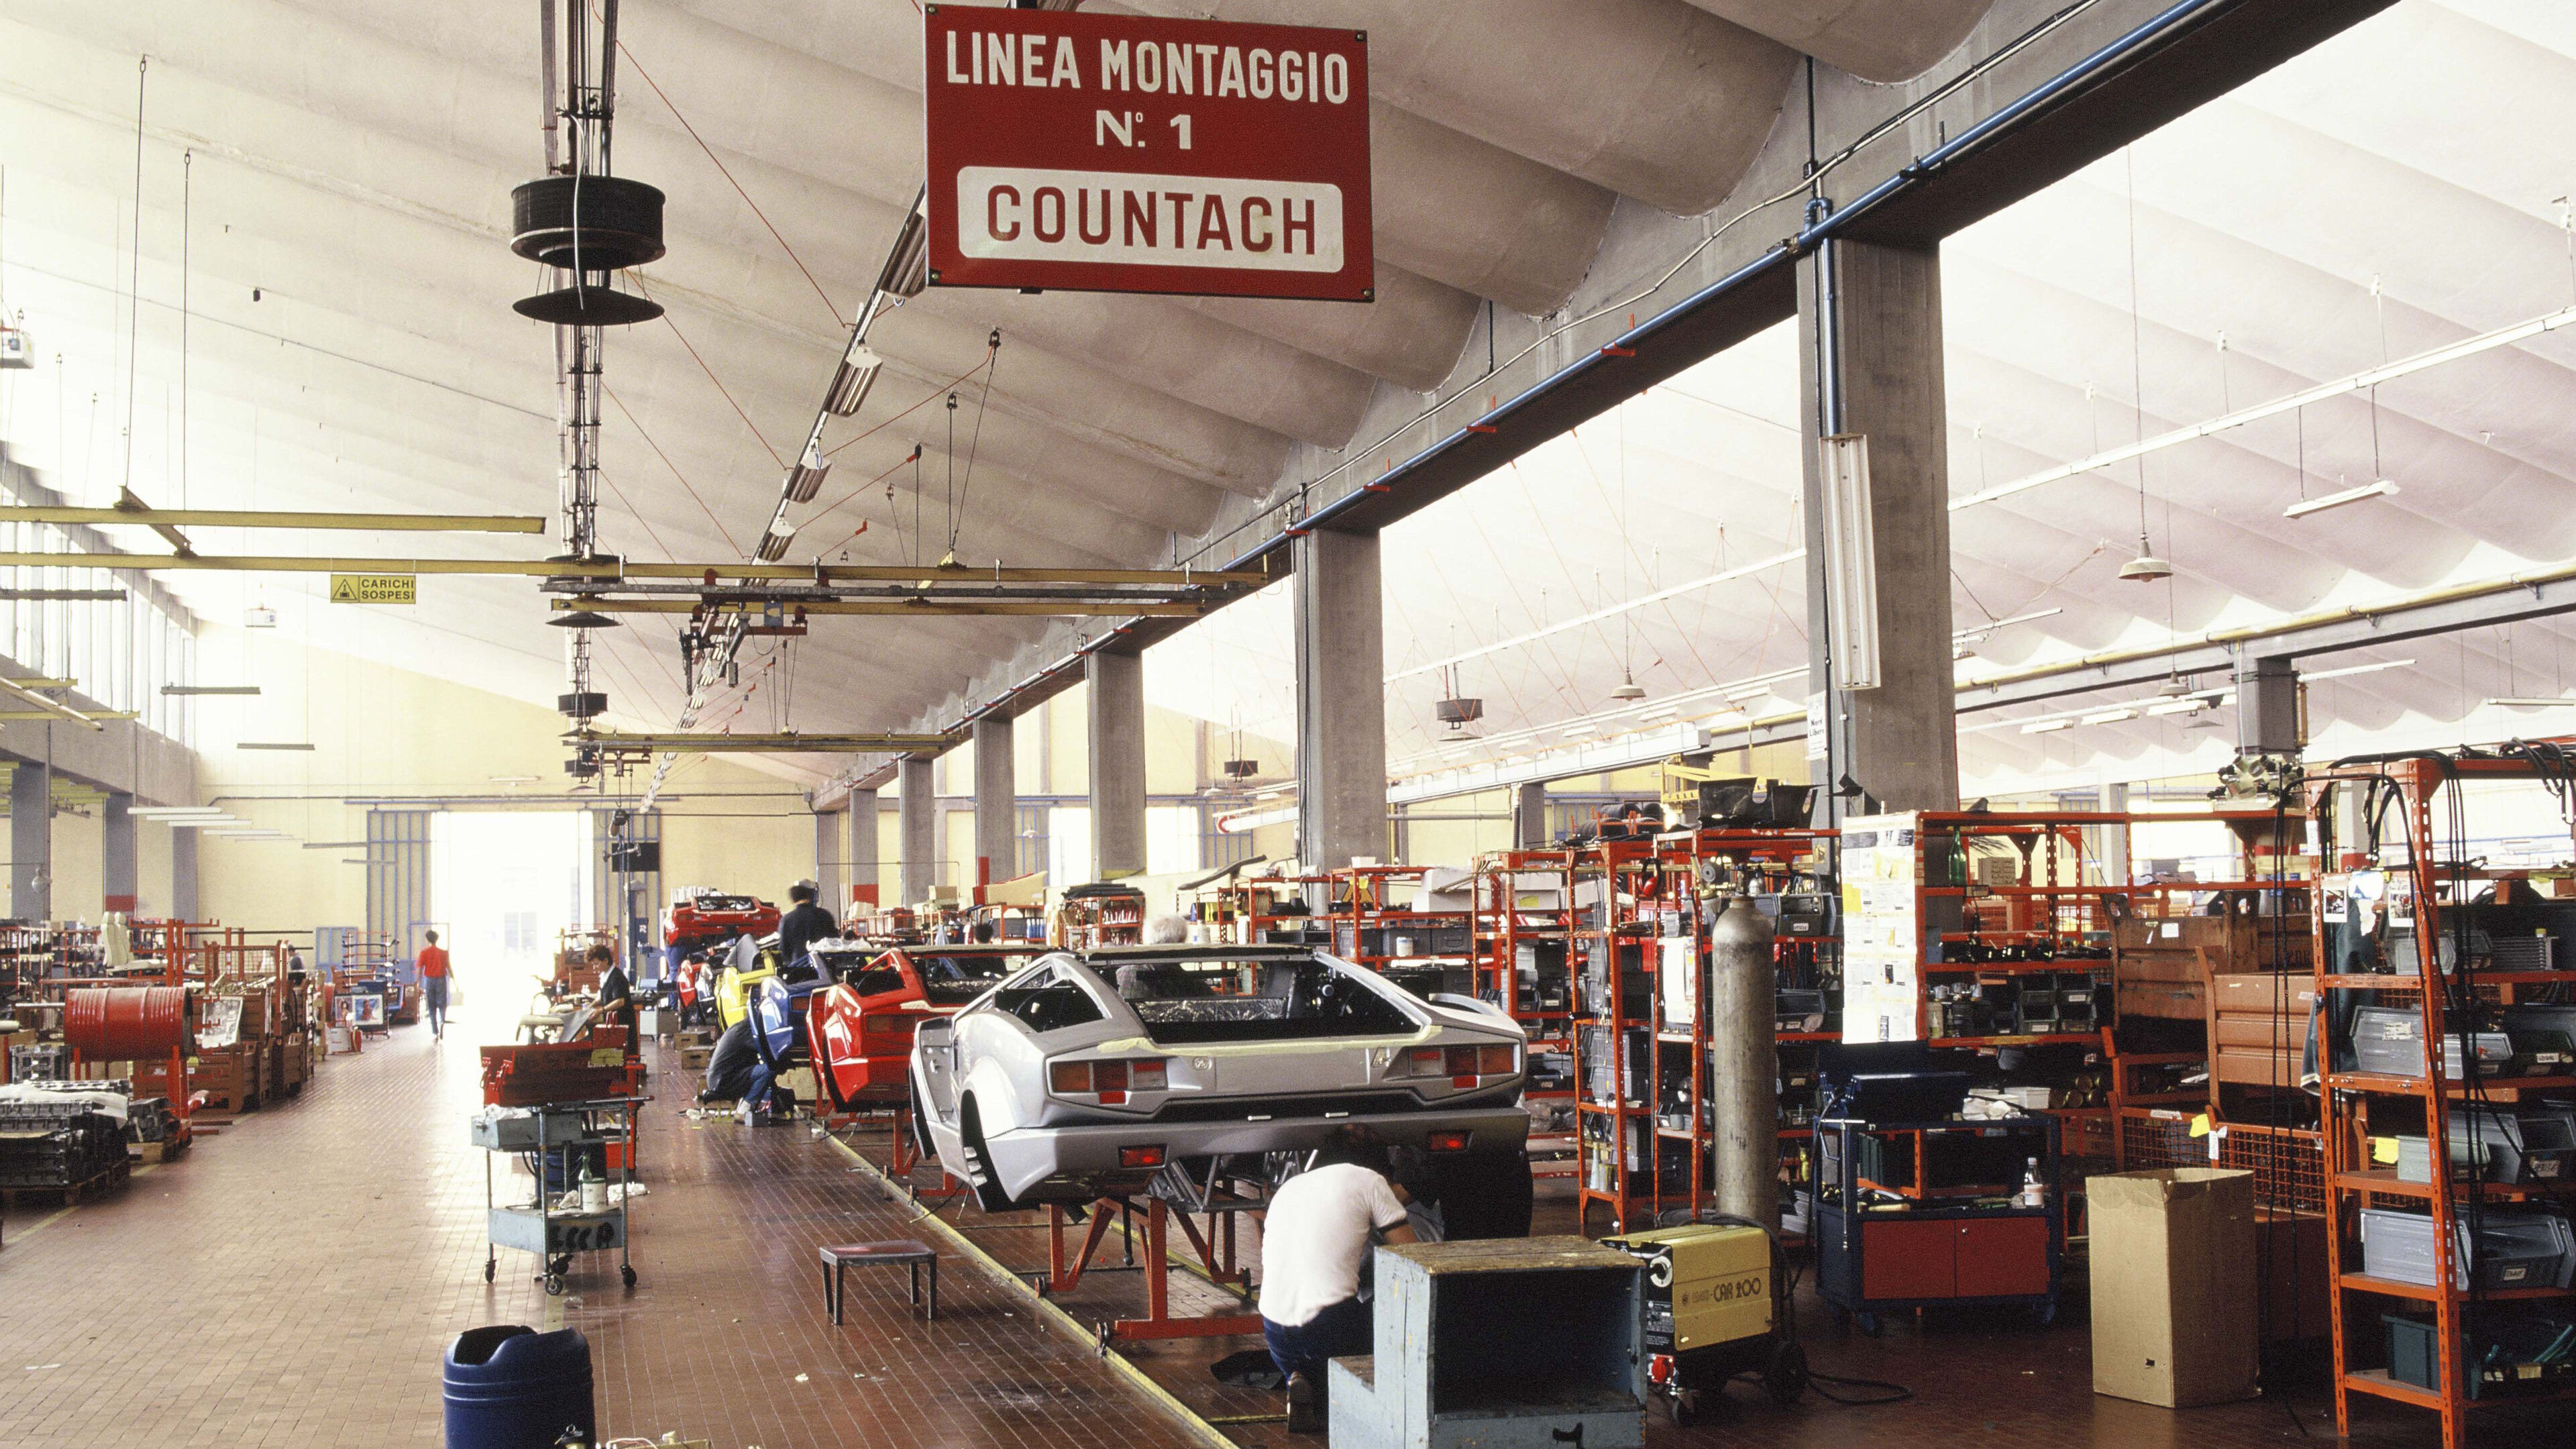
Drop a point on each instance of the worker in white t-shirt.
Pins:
(1313, 1239)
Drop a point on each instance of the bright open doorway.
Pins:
(504, 886)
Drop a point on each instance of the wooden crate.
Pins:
(2258, 1026)
(2160, 966)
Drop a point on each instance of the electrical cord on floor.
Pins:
(1895, 1393)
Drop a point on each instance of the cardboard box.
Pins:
(2174, 1279)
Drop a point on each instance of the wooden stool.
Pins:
(903, 1250)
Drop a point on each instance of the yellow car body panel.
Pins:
(733, 992)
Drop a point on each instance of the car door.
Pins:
(940, 1048)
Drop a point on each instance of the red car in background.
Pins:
(701, 919)
(861, 1025)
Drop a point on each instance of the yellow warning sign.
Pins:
(375, 589)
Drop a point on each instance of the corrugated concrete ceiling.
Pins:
(351, 344)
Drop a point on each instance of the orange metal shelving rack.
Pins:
(2354, 1181)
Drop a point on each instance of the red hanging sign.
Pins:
(1116, 153)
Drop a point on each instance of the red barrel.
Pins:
(125, 1023)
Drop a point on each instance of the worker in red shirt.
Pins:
(433, 984)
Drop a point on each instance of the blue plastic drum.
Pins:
(511, 1387)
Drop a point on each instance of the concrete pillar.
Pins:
(920, 865)
(1341, 699)
(1869, 317)
(859, 855)
(997, 801)
(183, 875)
(2267, 705)
(2117, 868)
(827, 862)
(1529, 816)
(1115, 696)
(120, 867)
(31, 841)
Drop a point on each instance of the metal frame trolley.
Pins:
(1895, 1238)
(552, 1233)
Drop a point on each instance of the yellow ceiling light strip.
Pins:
(622, 569)
(787, 741)
(52, 709)
(158, 518)
(941, 607)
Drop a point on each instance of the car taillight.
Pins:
(1446, 1141)
(1140, 1157)
(1462, 1065)
(1110, 1081)
(887, 1023)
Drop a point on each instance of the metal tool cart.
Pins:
(562, 1131)
(1911, 1214)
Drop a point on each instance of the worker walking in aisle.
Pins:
(804, 924)
(1313, 1240)
(433, 984)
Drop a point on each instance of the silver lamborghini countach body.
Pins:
(1084, 1074)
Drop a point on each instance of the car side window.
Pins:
(1049, 1002)
(878, 980)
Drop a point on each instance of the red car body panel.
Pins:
(713, 918)
(862, 1029)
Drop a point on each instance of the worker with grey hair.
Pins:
(1166, 930)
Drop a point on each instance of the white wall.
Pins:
(383, 731)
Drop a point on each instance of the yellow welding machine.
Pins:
(1706, 1284)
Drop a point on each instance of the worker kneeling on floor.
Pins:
(1314, 1240)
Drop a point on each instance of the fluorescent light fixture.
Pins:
(196, 689)
(2047, 726)
(2340, 387)
(774, 543)
(1657, 716)
(164, 812)
(2110, 716)
(516, 779)
(2384, 488)
(335, 845)
(272, 745)
(1583, 731)
(2524, 702)
(2352, 669)
(805, 479)
(2192, 705)
(1758, 691)
(852, 379)
(1851, 561)
(253, 834)
(1979, 631)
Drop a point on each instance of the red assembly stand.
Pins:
(1215, 1248)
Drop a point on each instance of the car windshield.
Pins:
(1216, 1000)
(955, 978)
